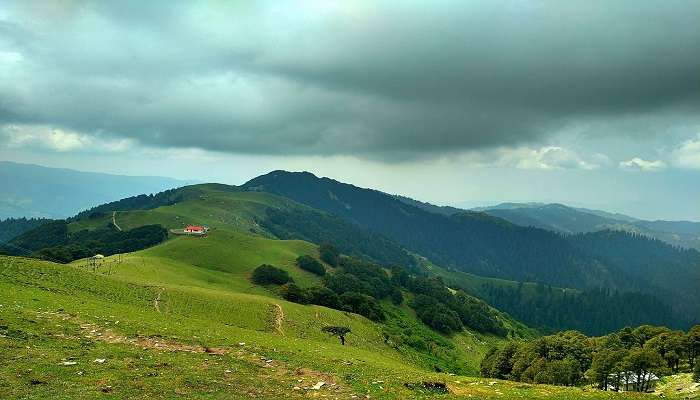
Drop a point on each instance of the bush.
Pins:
(294, 293)
(396, 296)
(329, 254)
(436, 315)
(323, 297)
(362, 304)
(267, 274)
(310, 264)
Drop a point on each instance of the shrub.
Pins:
(323, 297)
(396, 296)
(267, 274)
(362, 304)
(329, 254)
(294, 293)
(310, 264)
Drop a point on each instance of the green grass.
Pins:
(48, 313)
(157, 311)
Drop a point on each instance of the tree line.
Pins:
(13, 227)
(52, 241)
(628, 358)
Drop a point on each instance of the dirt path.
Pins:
(278, 318)
(114, 221)
(156, 301)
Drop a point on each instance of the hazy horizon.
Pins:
(464, 204)
(584, 103)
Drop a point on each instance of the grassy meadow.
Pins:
(182, 319)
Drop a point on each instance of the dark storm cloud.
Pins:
(387, 81)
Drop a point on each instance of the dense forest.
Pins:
(472, 242)
(628, 358)
(53, 241)
(13, 227)
(594, 312)
(318, 227)
(649, 265)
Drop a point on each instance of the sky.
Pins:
(588, 103)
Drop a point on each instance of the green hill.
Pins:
(182, 318)
(481, 244)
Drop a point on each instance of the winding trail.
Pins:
(156, 301)
(114, 221)
(278, 318)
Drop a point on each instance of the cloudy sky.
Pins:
(589, 103)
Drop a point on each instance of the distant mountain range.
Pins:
(565, 219)
(36, 191)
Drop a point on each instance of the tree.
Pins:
(604, 362)
(323, 296)
(671, 346)
(696, 372)
(294, 293)
(396, 296)
(267, 274)
(339, 331)
(642, 362)
(693, 344)
(310, 264)
(329, 254)
(362, 304)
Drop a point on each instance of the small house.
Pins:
(196, 229)
(627, 381)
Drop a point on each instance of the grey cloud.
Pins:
(392, 81)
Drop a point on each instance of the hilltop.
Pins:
(184, 287)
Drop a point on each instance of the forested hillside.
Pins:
(649, 265)
(13, 227)
(489, 246)
(54, 242)
(569, 220)
(469, 241)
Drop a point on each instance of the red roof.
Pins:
(194, 228)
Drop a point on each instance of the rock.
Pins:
(318, 385)
(296, 388)
(99, 360)
(228, 371)
(69, 363)
(241, 344)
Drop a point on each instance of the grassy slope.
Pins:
(51, 314)
(190, 293)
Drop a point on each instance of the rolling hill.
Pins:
(489, 246)
(188, 303)
(182, 318)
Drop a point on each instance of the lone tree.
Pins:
(339, 331)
